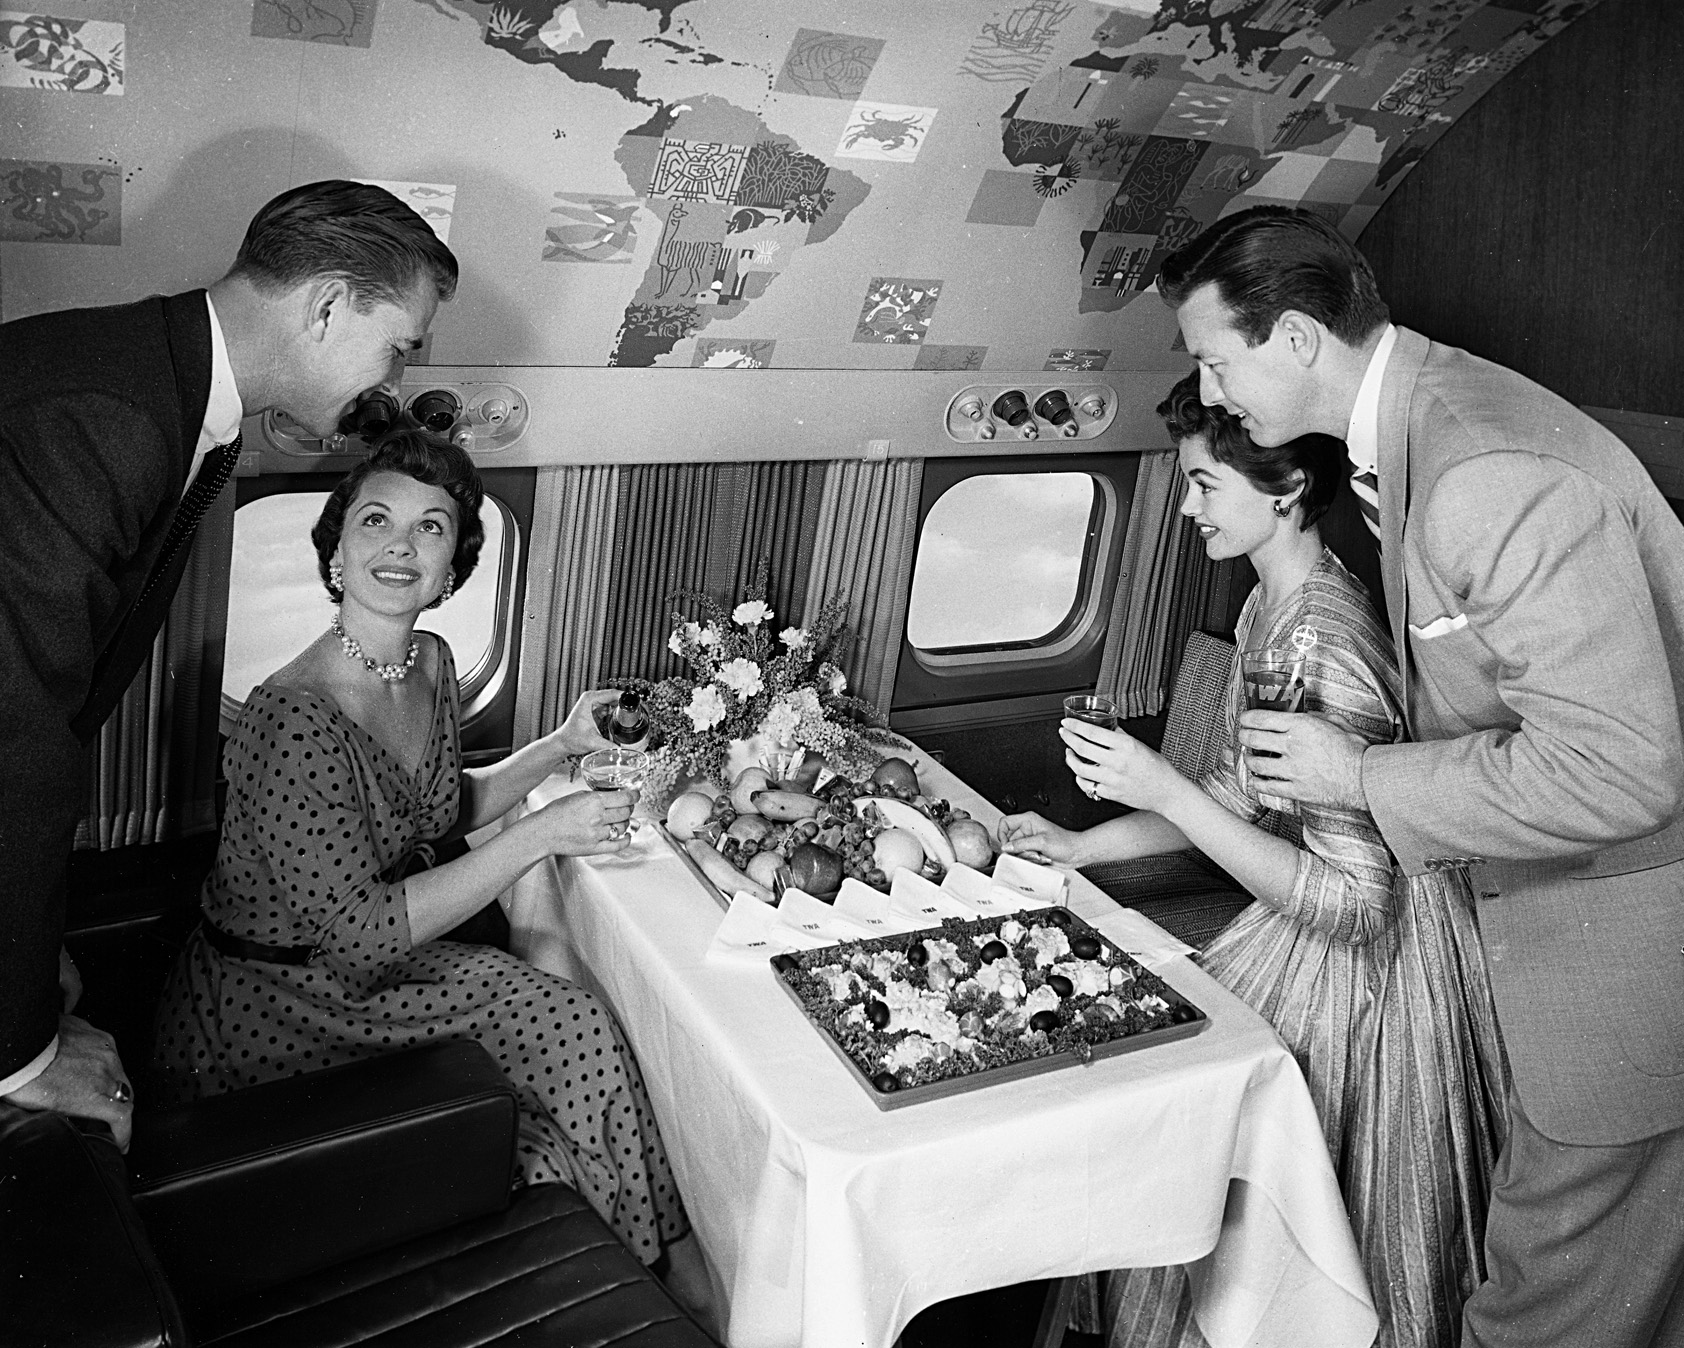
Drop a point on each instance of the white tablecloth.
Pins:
(826, 1221)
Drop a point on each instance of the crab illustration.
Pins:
(890, 133)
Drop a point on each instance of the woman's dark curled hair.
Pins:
(427, 458)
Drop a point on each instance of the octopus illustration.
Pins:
(890, 133)
(38, 196)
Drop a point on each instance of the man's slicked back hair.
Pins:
(358, 233)
(1269, 259)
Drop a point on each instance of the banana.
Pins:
(786, 807)
(898, 814)
(723, 874)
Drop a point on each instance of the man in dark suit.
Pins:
(1535, 581)
(118, 426)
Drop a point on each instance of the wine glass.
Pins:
(1095, 709)
(615, 770)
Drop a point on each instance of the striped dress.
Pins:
(1377, 983)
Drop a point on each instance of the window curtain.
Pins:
(863, 547)
(612, 547)
(568, 563)
(1166, 588)
(152, 767)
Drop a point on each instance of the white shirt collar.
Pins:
(1362, 440)
(224, 411)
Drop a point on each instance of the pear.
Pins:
(749, 780)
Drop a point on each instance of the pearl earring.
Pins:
(336, 580)
(448, 590)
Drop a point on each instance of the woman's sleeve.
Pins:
(301, 800)
(1344, 883)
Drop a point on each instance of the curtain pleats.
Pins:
(863, 543)
(1166, 588)
(565, 610)
(152, 768)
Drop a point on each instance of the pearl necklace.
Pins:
(354, 651)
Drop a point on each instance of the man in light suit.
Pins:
(118, 426)
(1534, 578)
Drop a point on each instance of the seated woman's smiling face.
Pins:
(398, 543)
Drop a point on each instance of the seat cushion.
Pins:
(547, 1271)
(1185, 893)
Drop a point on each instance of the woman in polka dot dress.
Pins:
(315, 949)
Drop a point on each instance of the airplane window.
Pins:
(1000, 560)
(277, 605)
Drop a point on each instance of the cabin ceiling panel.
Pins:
(957, 187)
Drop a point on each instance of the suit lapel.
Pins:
(1397, 388)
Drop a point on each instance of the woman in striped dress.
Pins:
(1375, 981)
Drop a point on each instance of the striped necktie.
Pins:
(1366, 487)
(208, 483)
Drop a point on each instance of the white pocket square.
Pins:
(1438, 627)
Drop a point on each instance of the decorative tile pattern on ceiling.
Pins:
(740, 163)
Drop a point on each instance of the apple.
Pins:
(894, 848)
(763, 868)
(971, 843)
(898, 773)
(688, 814)
(815, 869)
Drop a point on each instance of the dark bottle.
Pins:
(629, 726)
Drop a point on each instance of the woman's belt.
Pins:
(238, 948)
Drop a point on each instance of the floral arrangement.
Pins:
(745, 681)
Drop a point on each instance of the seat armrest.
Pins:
(245, 1191)
(75, 1263)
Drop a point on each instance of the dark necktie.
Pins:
(1366, 488)
(208, 483)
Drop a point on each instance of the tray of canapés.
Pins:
(762, 837)
(933, 1013)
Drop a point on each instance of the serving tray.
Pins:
(1070, 1044)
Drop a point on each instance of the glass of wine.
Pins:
(615, 770)
(1095, 709)
(1272, 680)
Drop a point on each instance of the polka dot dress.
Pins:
(317, 812)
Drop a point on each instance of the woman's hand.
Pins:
(586, 823)
(1114, 765)
(578, 733)
(1029, 835)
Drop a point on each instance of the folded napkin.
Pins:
(1149, 943)
(1042, 886)
(913, 897)
(871, 908)
(813, 917)
(752, 933)
(986, 898)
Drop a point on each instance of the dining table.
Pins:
(827, 1222)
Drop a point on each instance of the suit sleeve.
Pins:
(78, 481)
(1547, 567)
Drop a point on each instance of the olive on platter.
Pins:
(1183, 1013)
(886, 1082)
(994, 950)
(877, 1013)
(1060, 984)
(916, 955)
(1059, 917)
(1084, 947)
(1044, 1020)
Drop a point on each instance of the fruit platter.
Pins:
(933, 1013)
(764, 836)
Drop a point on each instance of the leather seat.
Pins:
(365, 1204)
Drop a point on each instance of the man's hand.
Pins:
(1320, 762)
(85, 1080)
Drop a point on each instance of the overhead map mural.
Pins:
(734, 184)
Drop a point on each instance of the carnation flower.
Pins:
(706, 709)
(742, 677)
(793, 637)
(750, 612)
(834, 677)
(781, 722)
(706, 636)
